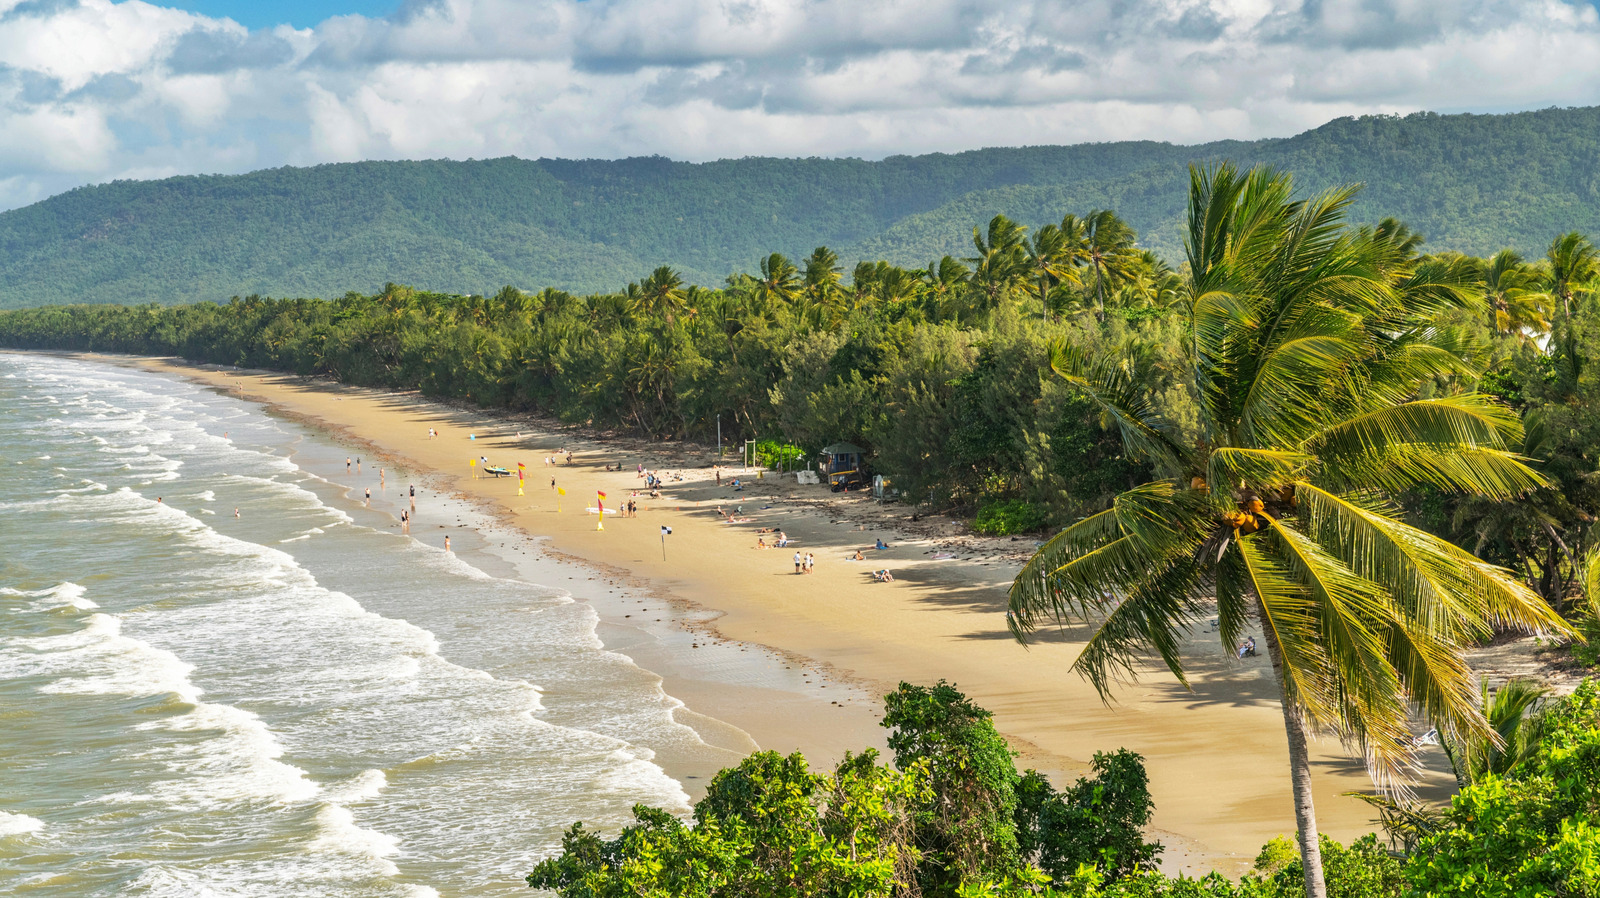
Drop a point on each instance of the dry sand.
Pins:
(1216, 755)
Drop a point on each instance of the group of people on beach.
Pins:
(804, 563)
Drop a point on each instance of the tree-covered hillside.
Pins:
(1473, 183)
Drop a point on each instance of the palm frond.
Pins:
(1289, 615)
(1031, 596)
(1285, 396)
(1258, 467)
(1086, 568)
(1591, 581)
(1465, 420)
(1431, 579)
(1493, 473)
(1154, 614)
(1354, 620)
(1109, 383)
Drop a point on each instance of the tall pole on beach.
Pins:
(664, 531)
(719, 438)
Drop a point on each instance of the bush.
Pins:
(1588, 652)
(1535, 831)
(1009, 517)
(1366, 869)
(773, 454)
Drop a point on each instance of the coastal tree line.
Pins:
(1378, 454)
(942, 372)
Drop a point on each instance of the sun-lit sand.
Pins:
(1216, 754)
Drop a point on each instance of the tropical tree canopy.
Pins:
(1314, 357)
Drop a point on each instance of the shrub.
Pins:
(1588, 652)
(774, 454)
(1365, 869)
(1010, 516)
(1535, 831)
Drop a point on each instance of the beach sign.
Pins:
(522, 470)
(665, 531)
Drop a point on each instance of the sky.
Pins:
(96, 90)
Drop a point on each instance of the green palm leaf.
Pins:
(1312, 345)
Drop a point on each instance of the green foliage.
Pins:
(768, 828)
(1588, 651)
(968, 830)
(1098, 822)
(1010, 516)
(773, 454)
(947, 822)
(1473, 183)
(1365, 869)
(1535, 831)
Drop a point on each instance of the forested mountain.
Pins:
(1469, 182)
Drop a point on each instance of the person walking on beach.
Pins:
(405, 521)
(347, 464)
(413, 495)
(380, 479)
(811, 562)
(369, 497)
(358, 464)
(798, 562)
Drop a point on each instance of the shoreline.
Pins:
(1216, 755)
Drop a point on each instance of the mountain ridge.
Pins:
(1469, 182)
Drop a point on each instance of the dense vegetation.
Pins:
(953, 818)
(1472, 183)
(1327, 381)
(1404, 389)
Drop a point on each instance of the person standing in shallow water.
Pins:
(369, 496)
(447, 544)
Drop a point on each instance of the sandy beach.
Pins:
(699, 617)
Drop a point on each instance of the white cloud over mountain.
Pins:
(92, 90)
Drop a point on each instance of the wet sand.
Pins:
(732, 616)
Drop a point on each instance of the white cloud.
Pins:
(95, 89)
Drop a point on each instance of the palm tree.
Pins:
(1001, 263)
(1109, 252)
(1574, 266)
(822, 275)
(779, 282)
(942, 283)
(1519, 306)
(661, 295)
(1514, 721)
(1309, 344)
(1049, 263)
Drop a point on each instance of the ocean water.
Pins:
(297, 700)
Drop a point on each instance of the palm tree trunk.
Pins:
(1299, 775)
(1099, 294)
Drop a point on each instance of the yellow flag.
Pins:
(472, 463)
(561, 491)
